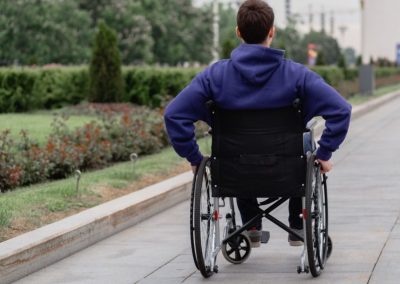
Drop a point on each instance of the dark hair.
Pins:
(255, 19)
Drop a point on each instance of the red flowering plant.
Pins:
(10, 171)
(92, 146)
(32, 159)
(118, 131)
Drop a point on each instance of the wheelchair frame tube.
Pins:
(216, 244)
(261, 214)
(232, 205)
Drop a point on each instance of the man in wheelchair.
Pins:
(261, 104)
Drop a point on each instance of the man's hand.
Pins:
(194, 169)
(326, 166)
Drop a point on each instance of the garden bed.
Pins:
(112, 135)
(126, 128)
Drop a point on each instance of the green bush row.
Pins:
(151, 86)
(45, 88)
(386, 72)
(332, 75)
(25, 89)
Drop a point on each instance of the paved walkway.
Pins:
(364, 192)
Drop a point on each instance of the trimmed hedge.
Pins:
(386, 72)
(29, 88)
(151, 86)
(332, 75)
(45, 88)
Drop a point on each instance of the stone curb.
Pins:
(37, 249)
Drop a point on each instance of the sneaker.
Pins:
(255, 237)
(293, 241)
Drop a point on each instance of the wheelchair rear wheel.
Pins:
(204, 222)
(317, 238)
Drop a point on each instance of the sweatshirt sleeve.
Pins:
(181, 114)
(320, 99)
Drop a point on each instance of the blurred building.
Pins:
(381, 29)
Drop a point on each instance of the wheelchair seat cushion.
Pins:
(258, 153)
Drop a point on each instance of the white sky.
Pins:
(347, 14)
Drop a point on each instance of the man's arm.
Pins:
(320, 99)
(181, 114)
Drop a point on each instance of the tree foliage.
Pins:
(39, 32)
(180, 31)
(60, 31)
(227, 46)
(327, 45)
(133, 31)
(228, 38)
(291, 41)
(106, 83)
(296, 45)
(169, 32)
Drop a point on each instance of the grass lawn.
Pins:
(27, 208)
(359, 99)
(38, 124)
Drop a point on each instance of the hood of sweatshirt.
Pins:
(256, 63)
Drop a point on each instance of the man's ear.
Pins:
(238, 33)
(272, 32)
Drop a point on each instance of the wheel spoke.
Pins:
(237, 254)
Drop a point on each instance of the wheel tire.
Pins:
(240, 244)
(330, 247)
(316, 238)
(325, 239)
(199, 190)
(192, 245)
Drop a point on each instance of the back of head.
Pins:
(255, 19)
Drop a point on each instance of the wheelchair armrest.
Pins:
(312, 123)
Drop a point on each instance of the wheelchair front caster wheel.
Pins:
(237, 250)
(300, 270)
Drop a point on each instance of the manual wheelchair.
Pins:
(262, 153)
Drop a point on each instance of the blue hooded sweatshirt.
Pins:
(256, 77)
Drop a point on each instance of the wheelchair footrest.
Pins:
(265, 237)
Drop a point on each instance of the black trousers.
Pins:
(249, 208)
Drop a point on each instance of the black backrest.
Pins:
(258, 153)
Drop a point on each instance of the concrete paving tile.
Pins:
(387, 269)
(279, 278)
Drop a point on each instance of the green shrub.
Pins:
(106, 82)
(332, 75)
(150, 86)
(16, 90)
(351, 74)
(386, 71)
